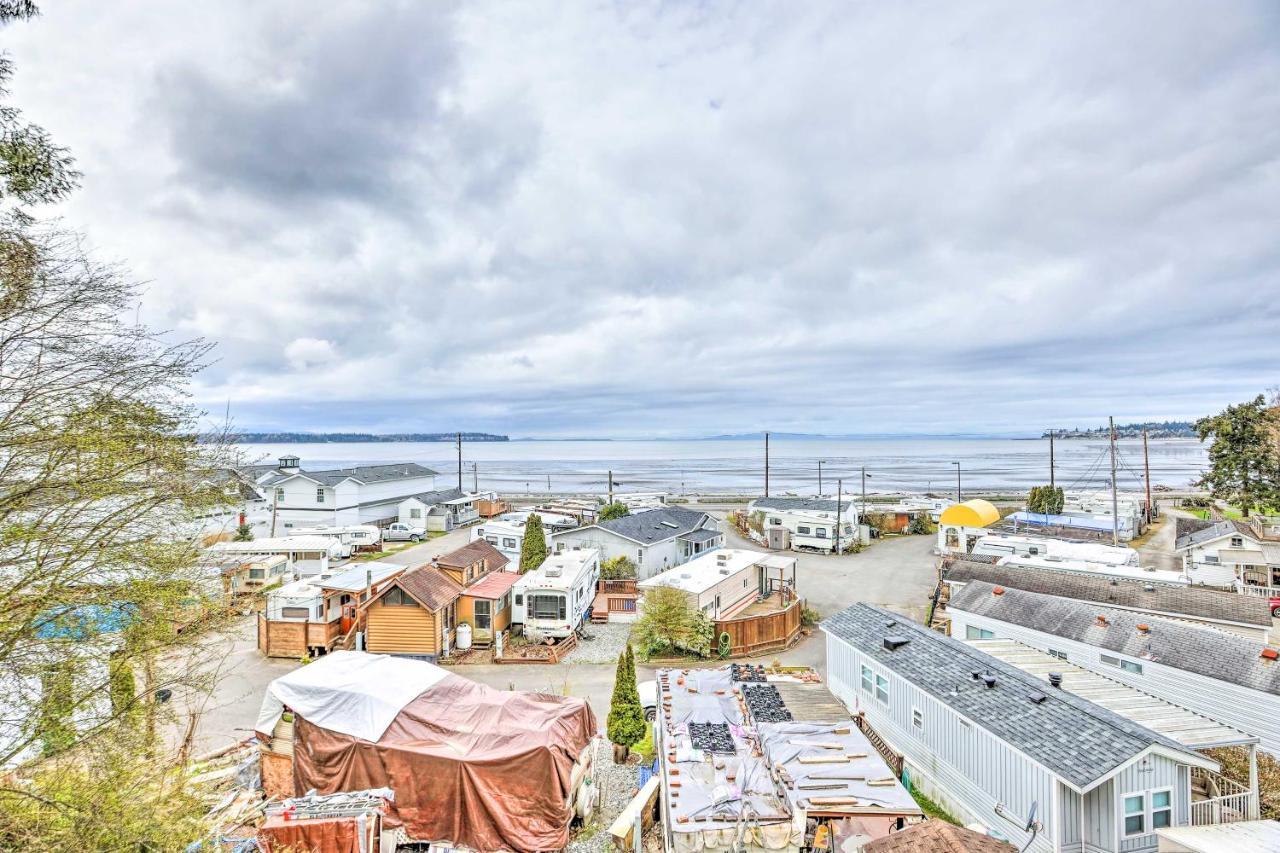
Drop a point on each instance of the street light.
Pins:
(957, 464)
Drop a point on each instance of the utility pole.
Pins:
(475, 477)
(819, 478)
(766, 464)
(1115, 501)
(548, 483)
(957, 464)
(611, 487)
(839, 484)
(459, 461)
(1146, 465)
(863, 507)
(1051, 481)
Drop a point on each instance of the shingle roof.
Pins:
(462, 557)
(364, 473)
(706, 534)
(1079, 741)
(812, 504)
(655, 525)
(438, 496)
(937, 836)
(1188, 601)
(1215, 530)
(429, 586)
(1204, 651)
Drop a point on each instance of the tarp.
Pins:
(472, 766)
(351, 693)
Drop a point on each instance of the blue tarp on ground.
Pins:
(84, 622)
(1041, 519)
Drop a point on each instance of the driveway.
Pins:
(1157, 552)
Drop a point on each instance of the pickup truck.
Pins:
(648, 691)
(401, 532)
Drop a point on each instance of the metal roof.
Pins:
(1217, 530)
(1193, 730)
(1080, 742)
(355, 577)
(1207, 652)
(438, 496)
(364, 473)
(1248, 836)
(1186, 601)
(809, 504)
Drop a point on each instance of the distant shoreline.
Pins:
(360, 437)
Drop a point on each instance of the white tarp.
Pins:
(353, 693)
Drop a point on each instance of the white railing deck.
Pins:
(1229, 801)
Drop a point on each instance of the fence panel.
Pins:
(752, 635)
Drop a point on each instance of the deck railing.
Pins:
(1227, 802)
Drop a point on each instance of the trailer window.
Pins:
(295, 612)
(547, 606)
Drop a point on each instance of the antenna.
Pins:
(1032, 825)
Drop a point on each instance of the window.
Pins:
(520, 598)
(803, 528)
(320, 494)
(1033, 550)
(294, 613)
(953, 538)
(882, 688)
(415, 512)
(279, 496)
(1211, 558)
(492, 540)
(1135, 815)
(973, 632)
(1057, 654)
(320, 611)
(1237, 541)
(547, 606)
(866, 679)
(1126, 665)
(396, 597)
(917, 719)
(820, 532)
(257, 574)
(508, 542)
(1161, 809)
(504, 602)
(775, 521)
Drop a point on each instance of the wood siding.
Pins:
(1251, 711)
(750, 635)
(278, 639)
(396, 629)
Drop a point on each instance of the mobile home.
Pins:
(352, 537)
(553, 599)
(1005, 545)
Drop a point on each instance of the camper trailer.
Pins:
(553, 599)
(351, 538)
(1005, 545)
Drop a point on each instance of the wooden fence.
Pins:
(753, 635)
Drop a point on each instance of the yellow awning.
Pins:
(974, 513)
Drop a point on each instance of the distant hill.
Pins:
(358, 437)
(1161, 429)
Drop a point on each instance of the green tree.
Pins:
(244, 533)
(668, 624)
(618, 568)
(626, 724)
(609, 512)
(1244, 463)
(533, 550)
(1046, 499)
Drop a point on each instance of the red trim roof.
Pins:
(493, 585)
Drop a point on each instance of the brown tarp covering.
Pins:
(329, 835)
(470, 765)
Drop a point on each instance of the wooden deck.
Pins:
(812, 703)
(614, 596)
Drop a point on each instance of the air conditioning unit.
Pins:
(553, 571)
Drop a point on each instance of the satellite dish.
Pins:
(1031, 816)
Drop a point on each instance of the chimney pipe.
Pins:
(1055, 680)
(989, 680)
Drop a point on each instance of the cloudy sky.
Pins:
(681, 219)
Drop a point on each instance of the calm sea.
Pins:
(737, 466)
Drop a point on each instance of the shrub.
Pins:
(618, 568)
(668, 625)
(609, 512)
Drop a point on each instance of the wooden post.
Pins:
(1254, 809)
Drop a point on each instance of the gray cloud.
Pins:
(675, 220)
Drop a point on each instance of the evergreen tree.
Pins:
(1244, 462)
(244, 533)
(609, 512)
(626, 725)
(533, 550)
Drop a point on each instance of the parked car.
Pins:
(648, 691)
(401, 532)
(1275, 607)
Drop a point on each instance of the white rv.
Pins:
(1005, 545)
(553, 599)
(351, 537)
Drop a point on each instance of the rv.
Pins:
(553, 599)
(352, 538)
(1004, 545)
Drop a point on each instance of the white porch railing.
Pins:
(1227, 801)
(1263, 591)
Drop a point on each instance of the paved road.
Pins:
(898, 573)
(1157, 552)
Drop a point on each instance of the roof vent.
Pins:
(1144, 628)
(998, 591)
(1055, 680)
(724, 571)
(1102, 621)
(894, 642)
(1037, 698)
(1269, 654)
(1148, 587)
(891, 623)
(989, 680)
(975, 674)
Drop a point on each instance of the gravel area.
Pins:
(603, 643)
(617, 786)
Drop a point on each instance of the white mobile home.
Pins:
(1006, 544)
(1166, 577)
(1229, 553)
(352, 537)
(1225, 676)
(553, 599)
(308, 555)
(308, 616)
(1246, 615)
(252, 574)
(655, 540)
(996, 746)
(812, 524)
(442, 510)
(727, 580)
(507, 537)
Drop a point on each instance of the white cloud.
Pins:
(647, 218)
